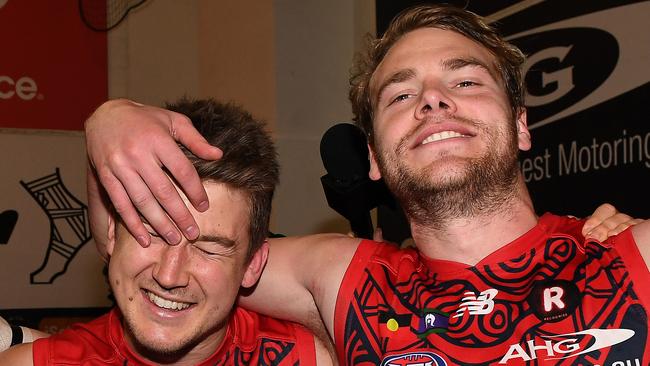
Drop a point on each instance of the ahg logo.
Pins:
(562, 346)
(24, 88)
(561, 74)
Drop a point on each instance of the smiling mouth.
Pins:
(443, 135)
(167, 304)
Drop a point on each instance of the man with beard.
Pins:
(440, 97)
(176, 303)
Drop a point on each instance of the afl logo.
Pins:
(415, 359)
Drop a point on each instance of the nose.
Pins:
(170, 271)
(434, 98)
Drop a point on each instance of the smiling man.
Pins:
(176, 304)
(440, 96)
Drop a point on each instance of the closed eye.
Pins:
(214, 249)
(215, 245)
(203, 250)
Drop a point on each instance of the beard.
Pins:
(481, 185)
(161, 352)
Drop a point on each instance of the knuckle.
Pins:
(599, 231)
(624, 217)
(140, 200)
(609, 207)
(165, 191)
(620, 228)
(185, 171)
(123, 210)
(105, 176)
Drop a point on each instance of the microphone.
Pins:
(348, 189)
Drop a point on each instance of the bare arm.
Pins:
(19, 355)
(302, 278)
(19, 334)
(128, 145)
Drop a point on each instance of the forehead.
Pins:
(228, 214)
(427, 48)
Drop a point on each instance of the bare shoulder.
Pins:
(641, 234)
(18, 355)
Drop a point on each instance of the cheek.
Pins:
(128, 265)
(219, 278)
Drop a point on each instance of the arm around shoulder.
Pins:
(18, 355)
(302, 278)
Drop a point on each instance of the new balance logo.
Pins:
(477, 305)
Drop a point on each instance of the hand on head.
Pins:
(134, 174)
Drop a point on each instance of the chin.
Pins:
(161, 350)
(157, 344)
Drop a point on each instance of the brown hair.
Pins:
(508, 58)
(249, 162)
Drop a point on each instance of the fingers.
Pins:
(604, 227)
(623, 226)
(124, 208)
(611, 228)
(167, 195)
(602, 213)
(181, 168)
(185, 133)
(147, 195)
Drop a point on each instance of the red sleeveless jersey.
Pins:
(251, 339)
(547, 298)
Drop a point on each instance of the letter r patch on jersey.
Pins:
(553, 301)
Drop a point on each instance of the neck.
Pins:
(468, 239)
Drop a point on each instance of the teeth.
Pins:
(167, 304)
(441, 136)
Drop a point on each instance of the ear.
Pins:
(523, 135)
(374, 172)
(110, 235)
(255, 266)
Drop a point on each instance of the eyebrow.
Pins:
(458, 63)
(397, 77)
(451, 64)
(217, 239)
